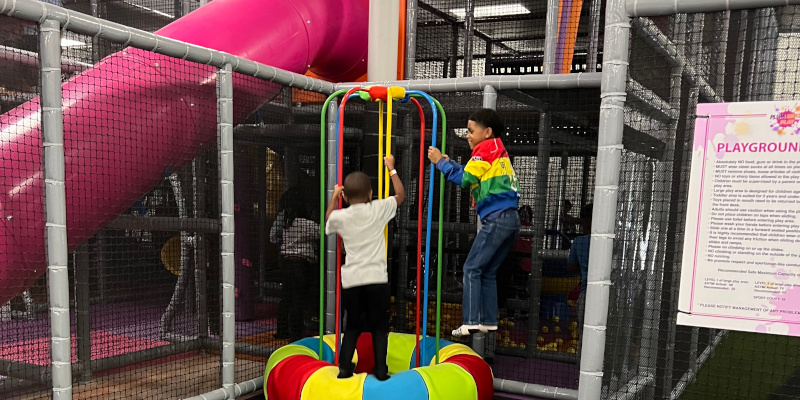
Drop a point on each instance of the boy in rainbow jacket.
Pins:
(495, 192)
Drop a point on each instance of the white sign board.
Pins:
(741, 252)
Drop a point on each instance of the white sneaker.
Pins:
(465, 330)
(487, 328)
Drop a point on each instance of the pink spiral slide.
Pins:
(135, 114)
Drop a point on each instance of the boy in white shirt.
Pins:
(365, 281)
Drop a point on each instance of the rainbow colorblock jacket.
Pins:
(489, 175)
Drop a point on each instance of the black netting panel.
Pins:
(24, 322)
(508, 38)
(722, 57)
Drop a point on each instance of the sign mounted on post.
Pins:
(741, 252)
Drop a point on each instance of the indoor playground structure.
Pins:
(307, 369)
(165, 167)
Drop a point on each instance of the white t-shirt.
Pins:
(361, 228)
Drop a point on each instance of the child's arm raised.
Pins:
(337, 192)
(399, 189)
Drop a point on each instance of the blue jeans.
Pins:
(493, 242)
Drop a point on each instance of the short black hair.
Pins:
(357, 186)
(488, 118)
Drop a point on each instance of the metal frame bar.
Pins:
(409, 71)
(534, 390)
(55, 204)
(239, 389)
(36, 11)
(594, 36)
(503, 82)
(653, 8)
(227, 261)
(609, 151)
(330, 241)
(690, 375)
(661, 43)
(469, 28)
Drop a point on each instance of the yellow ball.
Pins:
(560, 341)
(571, 350)
(513, 344)
(522, 345)
(557, 329)
(573, 343)
(573, 325)
(556, 319)
(544, 329)
(574, 335)
(510, 324)
(540, 340)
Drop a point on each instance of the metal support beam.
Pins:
(551, 37)
(164, 224)
(502, 82)
(409, 71)
(533, 390)
(227, 262)
(55, 208)
(653, 8)
(648, 30)
(489, 97)
(330, 245)
(469, 27)
(239, 389)
(609, 151)
(594, 35)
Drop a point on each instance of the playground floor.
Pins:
(173, 378)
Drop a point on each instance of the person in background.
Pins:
(296, 231)
(578, 262)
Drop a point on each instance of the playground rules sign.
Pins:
(741, 252)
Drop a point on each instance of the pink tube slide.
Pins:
(136, 114)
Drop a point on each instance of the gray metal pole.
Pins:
(690, 375)
(648, 30)
(469, 35)
(453, 66)
(551, 37)
(239, 389)
(672, 250)
(55, 205)
(539, 224)
(534, 390)
(661, 210)
(594, 35)
(409, 71)
(330, 245)
(652, 8)
(489, 97)
(501, 82)
(200, 265)
(609, 150)
(542, 169)
(227, 262)
(722, 22)
(94, 9)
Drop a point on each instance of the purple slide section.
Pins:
(135, 114)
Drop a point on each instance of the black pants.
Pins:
(367, 310)
(299, 294)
